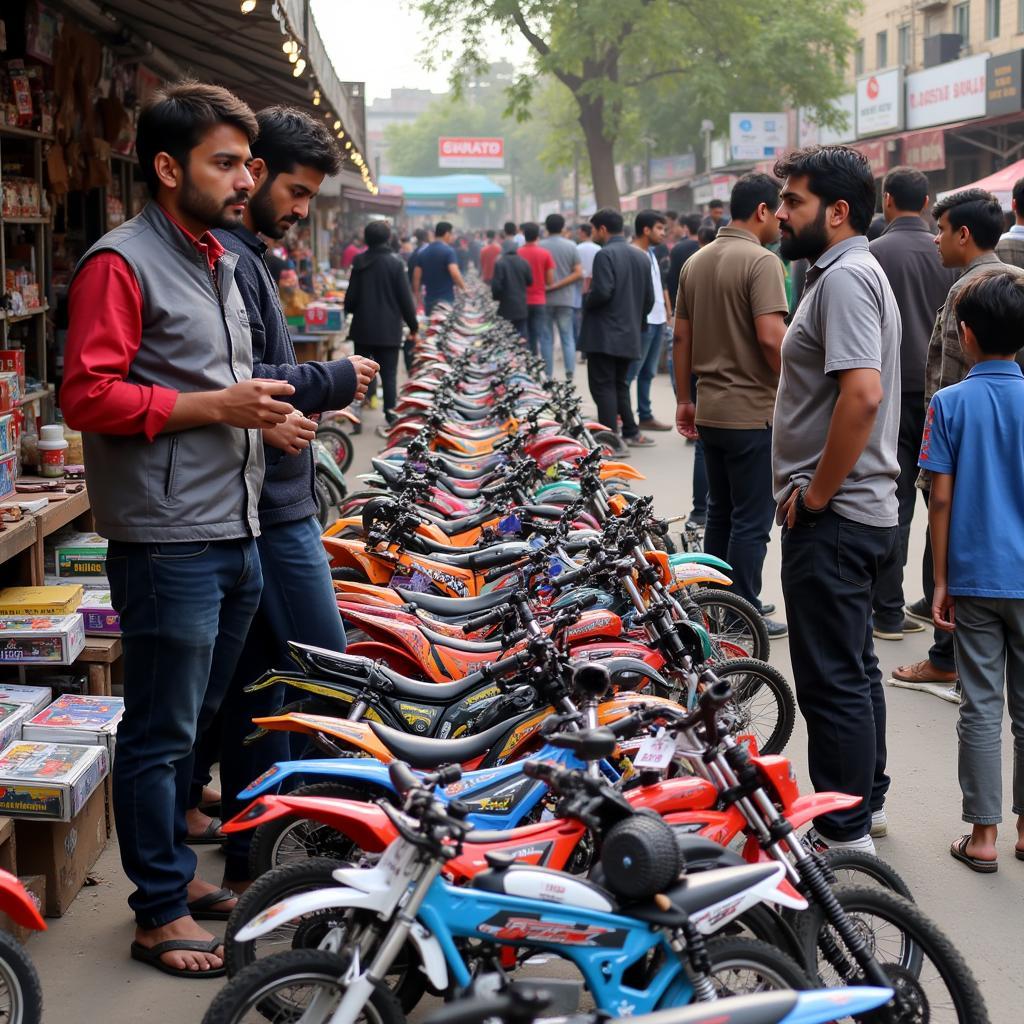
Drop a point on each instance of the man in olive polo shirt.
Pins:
(730, 310)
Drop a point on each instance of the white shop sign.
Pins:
(809, 133)
(758, 136)
(880, 102)
(947, 92)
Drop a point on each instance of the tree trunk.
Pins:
(601, 151)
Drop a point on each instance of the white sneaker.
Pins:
(817, 843)
(944, 691)
(879, 824)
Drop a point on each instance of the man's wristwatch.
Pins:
(804, 514)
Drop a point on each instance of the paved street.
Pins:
(84, 963)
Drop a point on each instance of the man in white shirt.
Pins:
(587, 249)
(1010, 247)
(649, 231)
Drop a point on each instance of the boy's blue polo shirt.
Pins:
(975, 431)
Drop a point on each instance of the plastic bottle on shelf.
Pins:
(52, 448)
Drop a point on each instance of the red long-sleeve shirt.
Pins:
(104, 335)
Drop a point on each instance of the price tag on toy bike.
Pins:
(655, 753)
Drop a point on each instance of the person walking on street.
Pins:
(436, 267)
(488, 257)
(681, 252)
(834, 463)
(649, 228)
(542, 273)
(614, 315)
(508, 240)
(587, 249)
(160, 387)
(906, 253)
(716, 216)
(1010, 247)
(730, 322)
(972, 449)
(512, 278)
(560, 294)
(969, 226)
(379, 302)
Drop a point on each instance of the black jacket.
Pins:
(319, 387)
(379, 298)
(621, 294)
(512, 276)
(681, 252)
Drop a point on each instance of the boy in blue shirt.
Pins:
(974, 446)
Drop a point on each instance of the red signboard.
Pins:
(925, 150)
(468, 199)
(470, 152)
(877, 154)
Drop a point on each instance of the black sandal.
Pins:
(210, 836)
(201, 908)
(958, 851)
(151, 955)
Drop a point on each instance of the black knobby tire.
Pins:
(733, 618)
(259, 981)
(763, 701)
(855, 867)
(405, 979)
(324, 512)
(346, 574)
(20, 982)
(272, 841)
(640, 857)
(338, 444)
(917, 954)
(610, 440)
(764, 966)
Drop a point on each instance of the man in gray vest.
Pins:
(158, 370)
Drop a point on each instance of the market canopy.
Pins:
(999, 184)
(443, 186)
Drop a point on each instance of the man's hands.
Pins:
(786, 512)
(293, 435)
(366, 370)
(686, 413)
(253, 403)
(943, 609)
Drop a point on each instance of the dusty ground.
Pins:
(83, 958)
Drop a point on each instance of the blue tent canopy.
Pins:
(443, 186)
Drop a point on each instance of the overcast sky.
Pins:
(378, 42)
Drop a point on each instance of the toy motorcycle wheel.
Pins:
(21, 994)
(338, 444)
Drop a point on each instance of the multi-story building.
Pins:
(938, 84)
(403, 106)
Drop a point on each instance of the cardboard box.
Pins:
(98, 614)
(12, 717)
(12, 360)
(77, 718)
(10, 391)
(8, 434)
(323, 317)
(8, 474)
(62, 600)
(35, 886)
(49, 780)
(41, 639)
(78, 556)
(36, 697)
(64, 852)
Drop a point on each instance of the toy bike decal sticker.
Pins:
(508, 926)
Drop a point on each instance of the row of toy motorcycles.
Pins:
(547, 739)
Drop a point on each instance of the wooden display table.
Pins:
(102, 655)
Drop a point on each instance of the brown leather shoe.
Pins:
(653, 424)
(923, 672)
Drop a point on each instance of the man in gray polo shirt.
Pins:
(561, 295)
(835, 467)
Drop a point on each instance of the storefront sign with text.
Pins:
(947, 93)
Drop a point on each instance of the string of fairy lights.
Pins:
(293, 52)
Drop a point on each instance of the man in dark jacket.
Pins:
(512, 276)
(379, 299)
(291, 157)
(614, 317)
(906, 250)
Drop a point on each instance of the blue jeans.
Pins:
(741, 507)
(185, 611)
(537, 329)
(298, 603)
(560, 317)
(645, 369)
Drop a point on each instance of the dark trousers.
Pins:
(609, 389)
(298, 603)
(888, 599)
(828, 572)
(537, 329)
(185, 612)
(520, 326)
(741, 507)
(941, 654)
(387, 358)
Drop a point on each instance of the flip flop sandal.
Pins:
(151, 955)
(209, 836)
(211, 810)
(958, 851)
(201, 909)
(1019, 854)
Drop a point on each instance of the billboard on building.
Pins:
(758, 136)
(453, 151)
(947, 93)
(880, 102)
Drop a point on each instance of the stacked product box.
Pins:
(35, 697)
(77, 718)
(49, 780)
(10, 393)
(59, 600)
(12, 716)
(78, 556)
(98, 613)
(41, 639)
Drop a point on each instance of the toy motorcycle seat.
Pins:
(490, 558)
(696, 892)
(454, 607)
(454, 643)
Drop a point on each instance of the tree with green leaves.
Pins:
(616, 56)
